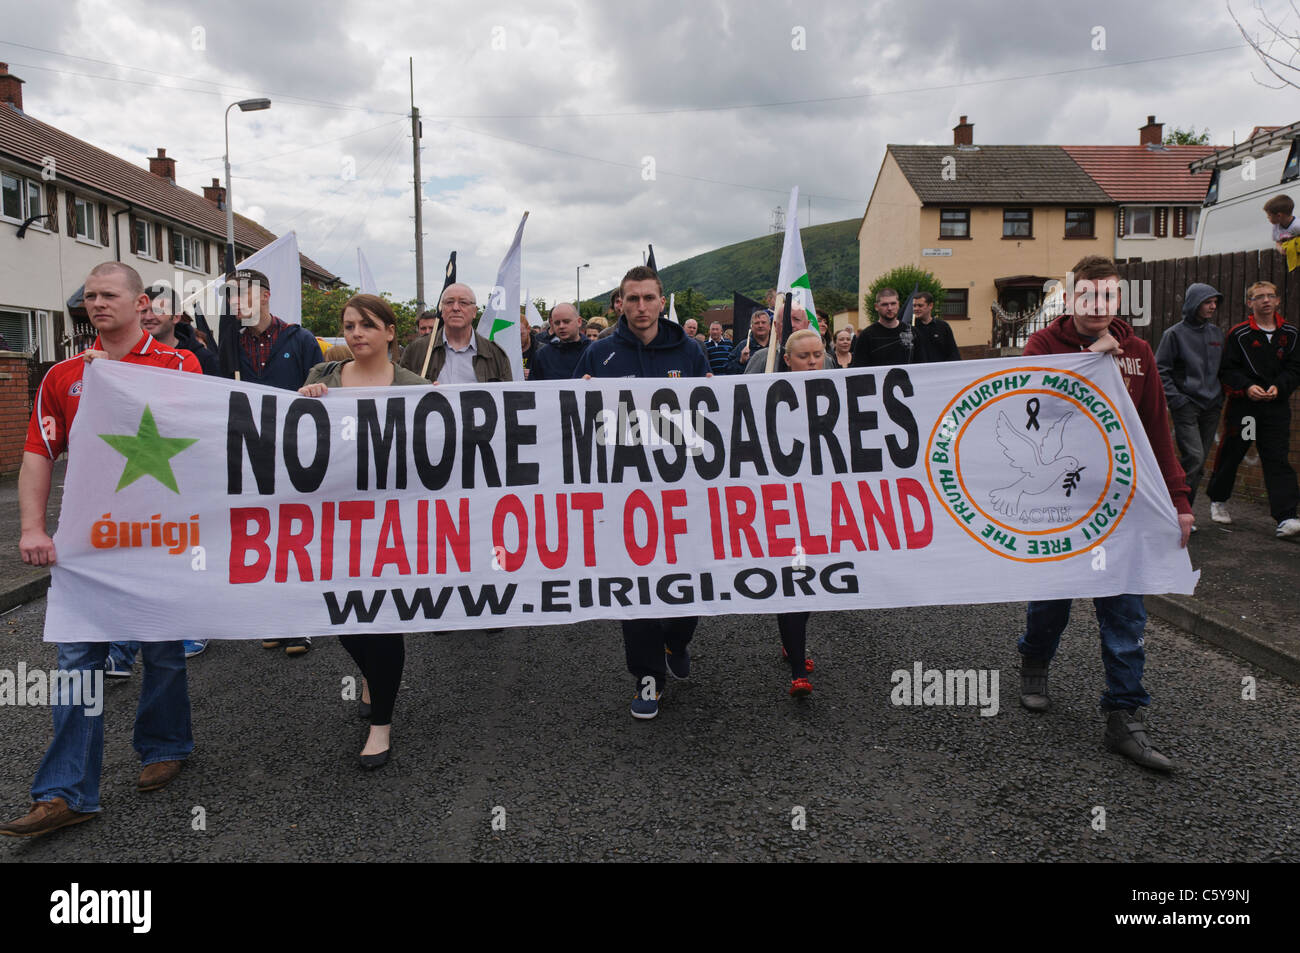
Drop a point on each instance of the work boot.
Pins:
(1033, 685)
(1126, 733)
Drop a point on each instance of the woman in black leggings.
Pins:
(369, 327)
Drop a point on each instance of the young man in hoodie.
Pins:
(1261, 367)
(557, 359)
(1188, 360)
(1090, 324)
(643, 345)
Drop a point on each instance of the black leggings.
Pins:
(794, 639)
(380, 658)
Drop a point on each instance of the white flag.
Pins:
(534, 316)
(672, 308)
(501, 311)
(793, 275)
(280, 263)
(367, 286)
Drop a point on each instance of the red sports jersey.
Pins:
(60, 393)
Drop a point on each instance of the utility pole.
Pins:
(419, 197)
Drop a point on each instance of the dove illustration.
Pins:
(1042, 466)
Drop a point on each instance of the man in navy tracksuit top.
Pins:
(1260, 369)
(644, 346)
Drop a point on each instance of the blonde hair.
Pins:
(807, 334)
(1259, 284)
(338, 352)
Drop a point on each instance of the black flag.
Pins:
(650, 262)
(907, 336)
(742, 309)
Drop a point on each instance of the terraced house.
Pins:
(66, 205)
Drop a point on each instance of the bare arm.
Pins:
(34, 479)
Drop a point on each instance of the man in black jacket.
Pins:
(934, 339)
(1260, 369)
(556, 360)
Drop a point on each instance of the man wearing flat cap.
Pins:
(271, 351)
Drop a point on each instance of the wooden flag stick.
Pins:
(428, 351)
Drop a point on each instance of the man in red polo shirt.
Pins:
(66, 789)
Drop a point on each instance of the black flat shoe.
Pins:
(372, 761)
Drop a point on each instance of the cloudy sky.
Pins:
(566, 107)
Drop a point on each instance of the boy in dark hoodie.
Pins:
(1089, 324)
(1188, 360)
(1261, 367)
(643, 345)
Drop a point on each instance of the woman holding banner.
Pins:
(370, 327)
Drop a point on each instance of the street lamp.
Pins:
(577, 274)
(245, 105)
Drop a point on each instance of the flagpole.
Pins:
(419, 212)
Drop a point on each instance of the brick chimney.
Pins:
(1152, 134)
(162, 166)
(215, 193)
(963, 134)
(11, 88)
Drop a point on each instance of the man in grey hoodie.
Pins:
(1188, 360)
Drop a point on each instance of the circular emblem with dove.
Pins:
(1034, 463)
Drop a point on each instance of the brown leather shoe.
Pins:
(157, 775)
(44, 817)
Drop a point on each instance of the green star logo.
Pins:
(147, 452)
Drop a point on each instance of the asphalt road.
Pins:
(535, 722)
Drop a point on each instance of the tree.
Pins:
(902, 280)
(690, 304)
(835, 300)
(593, 308)
(322, 311)
(1277, 49)
(1187, 137)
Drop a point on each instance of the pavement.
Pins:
(20, 583)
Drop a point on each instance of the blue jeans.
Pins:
(73, 762)
(123, 653)
(1122, 619)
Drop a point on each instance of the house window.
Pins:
(144, 239)
(954, 223)
(86, 230)
(1139, 222)
(15, 328)
(1017, 223)
(19, 198)
(1292, 170)
(1079, 223)
(954, 304)
(188, 251)
(1193, 220)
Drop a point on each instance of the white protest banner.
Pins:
(479, 506)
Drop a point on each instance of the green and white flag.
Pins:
(501, 311)
(793, 275)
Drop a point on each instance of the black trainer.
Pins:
(1033, 685)
(1126, 733)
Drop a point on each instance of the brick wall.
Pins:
(15, 410)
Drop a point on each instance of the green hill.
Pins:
(750, 267)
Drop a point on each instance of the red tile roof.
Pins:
(31, 141)
(1143, 174)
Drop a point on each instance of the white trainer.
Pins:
(1219, 513)
(1287, 528)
